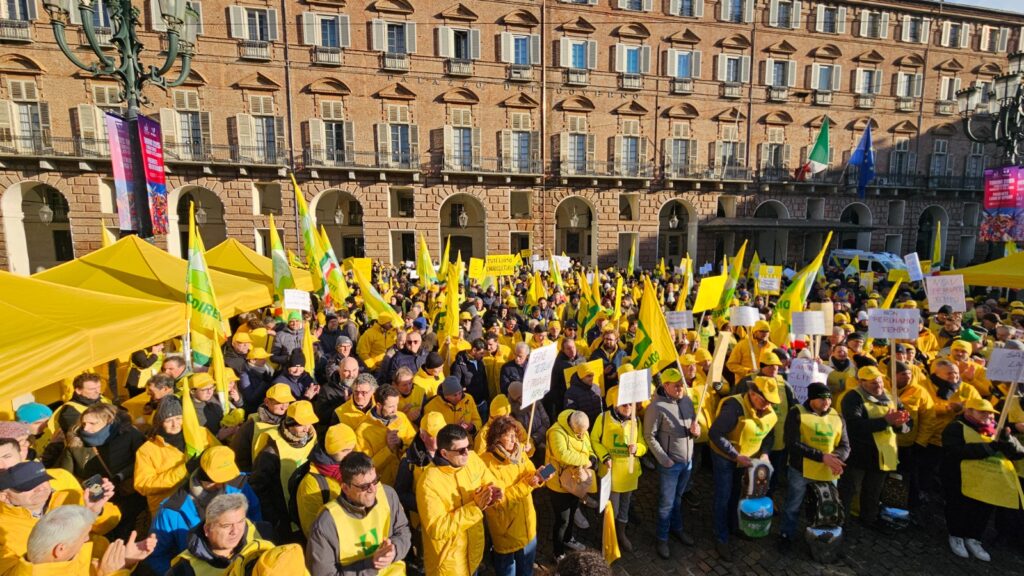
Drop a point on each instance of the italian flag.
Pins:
(817, 161)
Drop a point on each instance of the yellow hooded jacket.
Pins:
(512, 523)
(565, 449)
(372, 440)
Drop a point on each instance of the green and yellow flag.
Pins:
(207, 327)
(795, 297)
(335, 273)
(755, 267)
(373, 303)
(449, 321)
(730, 285)
(1010, 248)
(326, 275)
(653, 346)
(631, 267)
(937, 248)
(556, 274)
(853, 268)
(424, 265)
(283, 279)
(196, 440)
(442, 272)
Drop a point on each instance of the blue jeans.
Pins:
(672, 483)
(794, 502)
(518, 563)
(726, 496)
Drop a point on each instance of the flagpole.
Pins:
(187, 341)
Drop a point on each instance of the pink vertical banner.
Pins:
(153, 167)
(119, 139)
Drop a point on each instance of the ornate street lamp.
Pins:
(1003, 121)
(673, 222)
(463, 218)
(339, 215)
(45, 212)
(129, 71)
(200, 215)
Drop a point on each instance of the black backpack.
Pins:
(293, 489)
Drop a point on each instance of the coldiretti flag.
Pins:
(556, 274)
(653, 346)
(282, 272)
(194, 432)
(206, 325)
(449, 326)
(794, 298)
(687, 265)
(853, 268)
(424, 265)
(327, 277)
(730, 285)
(335, 275)
(631, 266)
(442, 272)
(373, 303)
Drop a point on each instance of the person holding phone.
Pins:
(512, 522)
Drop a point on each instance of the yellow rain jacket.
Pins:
(921, 407)
(427, 383)
(611, 438)
(512, 523)
(565, 449)
(313, 492)
(464, 411)
(374, 343)
(372, 440)
(160, 469)
(944, 412)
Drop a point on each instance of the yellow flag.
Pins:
(609, 541)
(442, 272)
(450, 325)
(1010, 248)
(618, 300)
(794, 298)
(937, 247)
(661, 267)
(424, 265)
(632, 257)
(652, 346)
(755, 266)
(708, 292)
(307, 348)
(195, 434)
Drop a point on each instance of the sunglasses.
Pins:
(460, 451)
(369, 486)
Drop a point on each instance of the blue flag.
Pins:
(864, 158)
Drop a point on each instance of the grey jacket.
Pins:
(322, 546)
(667, 429)
(285, 340)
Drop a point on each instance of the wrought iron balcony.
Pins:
(905, 104)
(394, 62)
(695, 171)
(520, 72)
(257, 50)
(577, 77)
(945, 107)
(681, 86)
(327, 56)
(257, 155)
(778, 94)
(864, 101)
(507, 166)
(44, 146)
(631, 81)
(971, 183)
(459, 67)
(15, 30)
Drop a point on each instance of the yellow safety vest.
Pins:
(991, 480)
(1016, 415)
(290, 456)
(885, 440)
(259, 429)
(751, 429)
(780, 409)
(240, 565)
(146, 373)
(359, 538)
(822, 433)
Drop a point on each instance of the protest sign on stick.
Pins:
(946, 291)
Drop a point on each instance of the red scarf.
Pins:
(329, 470)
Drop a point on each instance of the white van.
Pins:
(877, 262)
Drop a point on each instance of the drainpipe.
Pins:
(289, 119)
(544, 125)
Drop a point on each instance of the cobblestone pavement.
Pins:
(920, 549)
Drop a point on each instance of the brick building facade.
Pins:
(577, 127)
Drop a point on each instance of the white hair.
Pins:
(224, 503)
(522, 347)
(579, 420)
(62, 525)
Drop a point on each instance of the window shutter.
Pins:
(691, 153)
(563, 151)
(414, 144)
(797, 16)
(535, 49)
(476, 148)
(317, 138)
(170, 128)
(648, 5)
(280, 142)
(157, 23)
(44, 124)
(762, 155)
(88, 131)
(236, 14)
(723, 10)
(344, 38)
(905, 26)
(769, 71)
(243, 133)
(474, 44)
(505, 43)
(666, 155)
(310, 27)
(837, 78)
(378, 33)
(858, 79)
(741, 154)
(884, 28)
(643, 159)
(674, 7)
(986, 31)
(621, 4)
(620, 57)
(383, 145)
(535, 150)
(773, 13)
(410, 37)
(695, 63)
(591, 151)
(720, 67)
(206, 132)
(1004, 38)
(911, 163)
(965, 35)
(819, 25)
(865, 19)
(918, 85)
(926, 30)
(748, 11)
(505, 136)
(956, 86)
(671, 62)
(564, 46)
(592, 54)
(272, 25)
(444, 46)
(814, 76)
(698, 8)
(617, 155)
(645, 59)
(349, 129)
(944, 39)
(878, 82)
(791, 72)
(842, 20)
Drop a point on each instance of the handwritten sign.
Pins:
(744, 316)
(1004, 365)
(769, 280)
(537, 377)
(476, 269)
(680, 320)
(635, 386)
(802, 373)
(541, 265)
(296, 300)
(501, 265)
(946, 290)
(564, 262)
(898, 323)
(811, 323)
(913, 267)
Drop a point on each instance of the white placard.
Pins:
(537, 378)
(898, 323)
(946, 290)
(913, 267)
(590, 278)
(811, 323)
(744, 316)
(801, 374)
(635, 386)
(296, 300)
(541, 265)
(680, 320)
(605, 493)
(1004, 365)
(564, 262)
(769, 284)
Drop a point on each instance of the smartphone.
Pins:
(94, 488)
(547, 471)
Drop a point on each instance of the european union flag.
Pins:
(864, 158)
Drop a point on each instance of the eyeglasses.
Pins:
(369, 486)
(460, 451)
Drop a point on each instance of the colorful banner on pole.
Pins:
(120, 142)
(153, 168)
(1004, 205)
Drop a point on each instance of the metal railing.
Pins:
(103, 36)
(864, 101)
(889, 180)
(520, 72)
(327, 55)
(458, 163)
(945, 107)
(394, 61)
(15, 30)
(254, 50)
(732, 90)
(786, 174)
(823, 97)
(187, 152)
(458, 67)
(264, 155)
(396, 161)
(48, 147)
(577, 77)
(695, 171)
(778, 94)
(904, 104)
(681, 86)
(611, 169)
(631, 82)
(956, 182)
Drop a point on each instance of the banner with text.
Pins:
(153, 168)
(120, 142)
(1004, 205)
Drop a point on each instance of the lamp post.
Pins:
(463, 218)
(1003, 120)
(128, 68)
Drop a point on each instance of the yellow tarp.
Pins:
(1005, 272)
(57, 331)
(135, 268)
(233, 257)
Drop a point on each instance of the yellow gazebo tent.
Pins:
(135, 268)
(233, 257)
(1005, 272)
(57, 331)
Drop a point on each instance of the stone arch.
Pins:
(20, 63)
(471, 238)
(579, 241)
(214, 231)
(340, 212)
(772, 244)
(859, 214)
(30, 243)
(926, 231)
(683, 235)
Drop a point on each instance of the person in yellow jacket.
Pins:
(496, 356)
(618, 441)
(512, 522)
(456, 405)
(320, 484)
(430, 375)
(376, 341)
(570, 331)
(161, 464)
(977, 475)
(500, 406)
(355, 409)
(279, 453)
(452, 495)
(510, 334)
(569, 450)
(740, 361)
(921, 408)
(362, 531)
(385, 433)
(971, 372)
(411, 399)
(224, 544)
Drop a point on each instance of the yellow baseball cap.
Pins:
(279, 559)
(980, 404)
(761, 326)
(258, 354)
(302, 412)
(585, 370)
(432, 423)
(625, 368)
(201, 380)
(611, 397)
(671, 375)
(769, 358)
(961, 345)
(465, 316)
(280, 393)
(500, 406)
(687, 360)
(769, 388)
(702, 355)
(218, 463)
(339, 437)
(869, 373)
(241, 338)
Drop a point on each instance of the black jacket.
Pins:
(511, 372)
(416, 456)
(234, 360)
(554, 400)
(581, 396)
(471, 375)
(401, 359)
(140, 359)
(863, 451)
